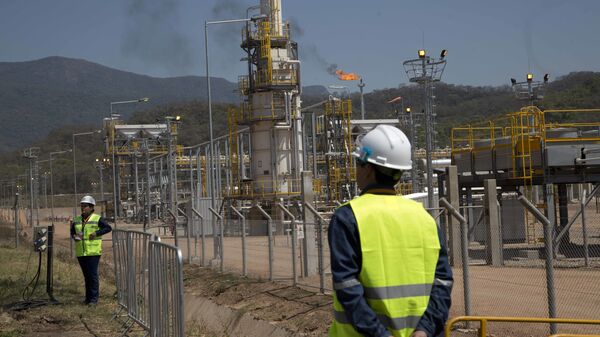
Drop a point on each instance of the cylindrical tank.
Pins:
(272, 8)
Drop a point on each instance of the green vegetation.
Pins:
(456, 105)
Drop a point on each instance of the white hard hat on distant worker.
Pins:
(88, 199)
(384, 146)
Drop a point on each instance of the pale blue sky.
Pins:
(488, 41)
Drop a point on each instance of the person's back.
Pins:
(388, 261)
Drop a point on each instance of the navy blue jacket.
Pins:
(346, 263)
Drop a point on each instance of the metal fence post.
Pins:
(243, 218)
(16, 208)
(270, 233)
(586, 252)
(294, 234)
(174, 216)
(187, 230)
(465, 251)
(549, 250)
(220, 242)
(202, 236)
(320, 244)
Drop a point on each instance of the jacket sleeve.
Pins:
(434, 319)
(346, 264)
(104, 227)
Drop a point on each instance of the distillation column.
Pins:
(272, 105)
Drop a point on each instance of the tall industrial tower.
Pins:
(271, 106)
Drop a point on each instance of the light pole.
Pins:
(413, 169)
(530, 90)
(208, 92)
(114, 169)
(100, 166)
(76, 202)
(425, 70)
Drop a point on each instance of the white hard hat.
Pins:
(385, 146)
(88, 199)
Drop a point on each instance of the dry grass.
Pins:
(67, 318)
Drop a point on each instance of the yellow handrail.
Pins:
(483, 321)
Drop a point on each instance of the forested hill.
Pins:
(39, 96)
(458, 105)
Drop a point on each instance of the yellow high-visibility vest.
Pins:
(400, 248)
(87, 247)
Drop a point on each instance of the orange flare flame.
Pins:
(342, 76)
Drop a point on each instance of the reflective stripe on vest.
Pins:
(87, 247)
(400, 248)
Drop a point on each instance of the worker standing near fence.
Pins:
(87, 230)
(389, 262)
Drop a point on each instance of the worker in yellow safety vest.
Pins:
(389, 262)
(87, 230)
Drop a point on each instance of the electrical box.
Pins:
(40, 238)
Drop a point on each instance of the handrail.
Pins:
(485, 319)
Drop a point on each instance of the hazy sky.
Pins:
(488, 41)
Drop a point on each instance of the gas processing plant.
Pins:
(278, 152)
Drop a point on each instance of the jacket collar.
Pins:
(378, 189)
